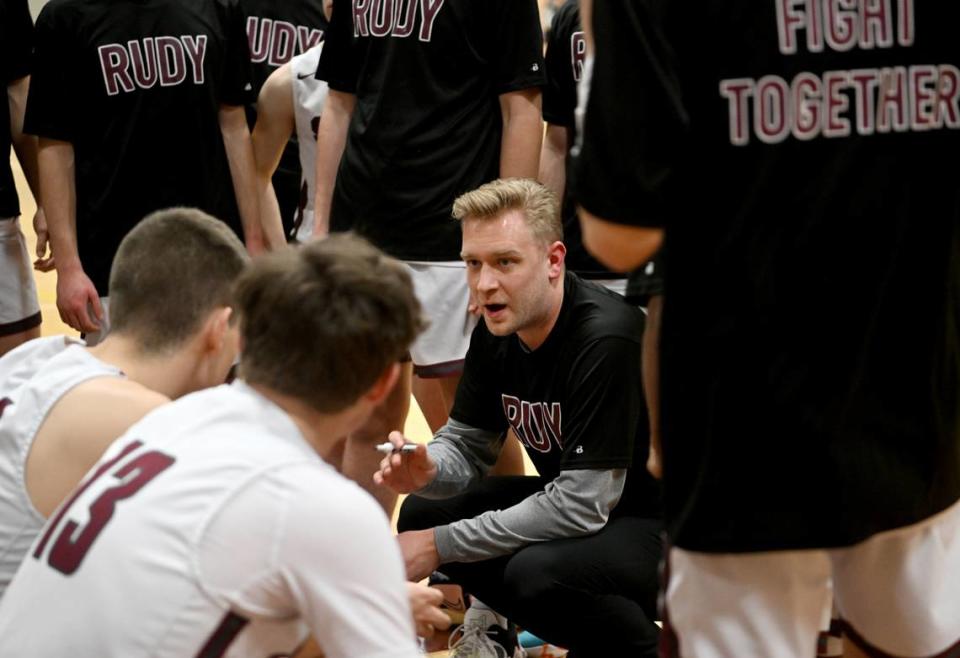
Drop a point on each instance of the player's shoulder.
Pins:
(65, 12)
(567, 17)
(601, 313)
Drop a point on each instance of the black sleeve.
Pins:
(16, 40)
(635, 123)
(53, 92)
(603, 405)
(236, 80)
(564, 62)
(478, 401)
(342, 53)
(647, 280)
(518, 46)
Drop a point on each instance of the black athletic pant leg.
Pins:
(595, 595)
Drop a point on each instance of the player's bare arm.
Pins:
(522, 133)
(618, 246)
(331, 139)
(553, 159)
(275, 124)
(239, 148)
(76, 432)
(58, 193)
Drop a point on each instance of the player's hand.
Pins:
(406, 472)
(419, 553)
(43, 263)
(76, 297)
(425, 605)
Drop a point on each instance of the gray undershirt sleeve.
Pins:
(576, 503)
(463, 454)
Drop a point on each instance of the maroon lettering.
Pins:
(835, 125)
(770, 116)
(258, 34)
(4, 403)
(283, 41)
(171, 61)
(923, 84)
(308, 37)
(361, 11)
(578, 54)
(383, 18)
(738, 92)
(789, 22)
(428, 13)
(807, 97)
(841, 19)
(114, 62)
(905, 33)
(892, 100)
(554, 422)
(71, 547)
(196, 48)
(948, 103)
(877, 28)
(404, 15)
(144, 60)
(865, 88)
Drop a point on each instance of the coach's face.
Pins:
(512, 274)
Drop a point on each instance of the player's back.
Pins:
(33, 378)
(187, 540)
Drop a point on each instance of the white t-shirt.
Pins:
(212, 528)
(309, 97)
(33, 378)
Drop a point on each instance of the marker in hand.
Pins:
(389, 448)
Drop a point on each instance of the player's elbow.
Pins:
(619, 247)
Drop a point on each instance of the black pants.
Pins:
(595, 595)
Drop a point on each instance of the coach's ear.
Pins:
(556, 256)
(384, 384)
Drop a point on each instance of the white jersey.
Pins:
(309, 97)
(211, 528)
(33, 378)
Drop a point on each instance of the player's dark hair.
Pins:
(322, 322)
(538, 204)
(170, 272)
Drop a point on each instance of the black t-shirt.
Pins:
(144, 126)
(576, 402)
(427, 123)
(564, 60)
(807, 177)
(16, 47)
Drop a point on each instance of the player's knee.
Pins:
(418, 513)
(533, 577)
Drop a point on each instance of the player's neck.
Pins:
(322, 431)
(165, 373)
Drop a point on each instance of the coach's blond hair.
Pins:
(537, 203)
(322, 322)
(170, 272)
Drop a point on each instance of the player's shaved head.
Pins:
(537, 203)
(170, 272)
(322, 322)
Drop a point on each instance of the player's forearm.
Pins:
(462, 454)
(239, 149)
(522, 134)
(618, 246)
(575, 504)
(553, 159)
(25, 146)
(59, 200)
(331, 141)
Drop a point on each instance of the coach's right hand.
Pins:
(75, 291)
(406, 472)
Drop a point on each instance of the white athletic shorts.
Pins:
(94, 337)
(897, 594)
(19, 307)
(442, 290)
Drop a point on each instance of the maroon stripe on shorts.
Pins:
(21, 325)
(439, 370)
(953, 651)
(221, 638)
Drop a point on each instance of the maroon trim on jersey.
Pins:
(221, 638)
(21, 325)
(438, 370)
(53, 523)
(953, 651)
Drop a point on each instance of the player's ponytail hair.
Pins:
(323, 321)
(538, 204)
